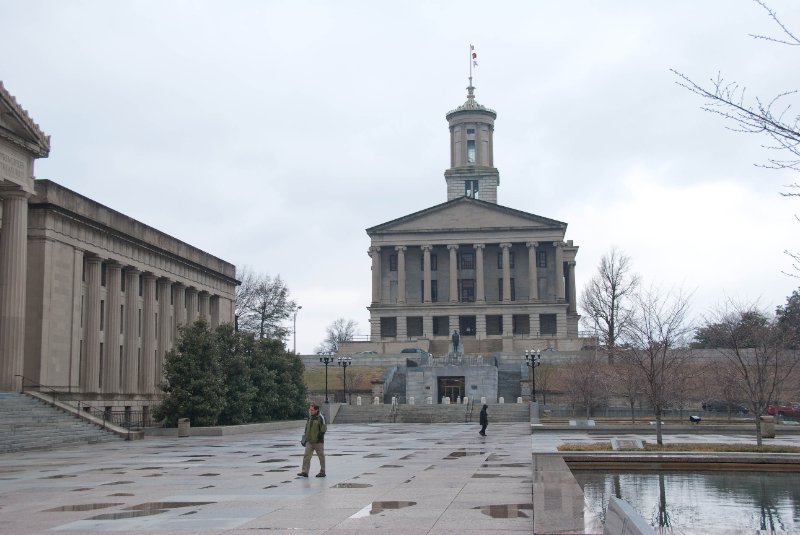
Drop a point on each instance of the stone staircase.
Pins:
(498, 412)
(27, 424)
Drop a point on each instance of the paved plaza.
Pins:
(382, 478)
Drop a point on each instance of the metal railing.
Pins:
(394, 412)
(468, 412)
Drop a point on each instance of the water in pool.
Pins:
(697, 500)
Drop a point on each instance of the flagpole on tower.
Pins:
(472, 56)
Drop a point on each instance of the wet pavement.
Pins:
(386, 478)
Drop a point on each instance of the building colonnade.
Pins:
(130, 321)
(564, 274)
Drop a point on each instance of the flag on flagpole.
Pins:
(473, 55)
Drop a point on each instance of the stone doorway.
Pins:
(450, 387)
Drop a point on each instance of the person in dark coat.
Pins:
(484, 420)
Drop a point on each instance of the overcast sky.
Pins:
(271, 134)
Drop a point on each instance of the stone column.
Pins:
(164, 334)
(559, 261)
(76, 320)
(506, 274)
(178, 307)
(191, 305)
(90, 377)
(130, 357)
(401, 274)
(204, 304)
(111, 360)
(480, 285)
(13, 266)
(453, 273)
(426, 273)
(214, 305)
(147, 382)
(572, 307)
(402, 327)
(533, 274)
(375, 254)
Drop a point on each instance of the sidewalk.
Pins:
(385, 478)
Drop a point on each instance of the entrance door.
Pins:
(451, 387)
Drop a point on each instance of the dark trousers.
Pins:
(483, 429)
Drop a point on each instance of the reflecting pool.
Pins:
(697, 500)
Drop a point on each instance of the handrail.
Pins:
(394, 411)
(468, 412)
(53, 392)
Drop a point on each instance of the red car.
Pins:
(791, 410)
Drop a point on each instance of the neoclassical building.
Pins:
(90, 299)
(497, 275)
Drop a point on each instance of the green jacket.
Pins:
(315, 429)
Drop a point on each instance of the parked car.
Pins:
(787, 410)
(725, 407)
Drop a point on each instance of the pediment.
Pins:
(17, 127)
(466, 214)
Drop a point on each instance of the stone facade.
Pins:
(91, 298)
(499, 276)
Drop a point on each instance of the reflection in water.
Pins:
(755, 500)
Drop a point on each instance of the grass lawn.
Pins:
(359, 378)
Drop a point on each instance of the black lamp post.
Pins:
(532, 359)
(344, 362)
(326, 359)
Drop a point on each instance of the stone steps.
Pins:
(27, 424)
(501, 412)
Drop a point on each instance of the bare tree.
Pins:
(341, 330)
(544, 376)
(627, 383)
(606, 300)
(770, 117)
(757, 355)
(658, 336)
(587, 382)
(263, 305)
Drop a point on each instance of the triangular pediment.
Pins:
(17, 127)
(466, 214)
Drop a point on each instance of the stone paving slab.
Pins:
(393, 478)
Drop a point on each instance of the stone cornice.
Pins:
(39, 144)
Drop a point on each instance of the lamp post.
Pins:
(344, 362)
(294, 331)
(532, 359)
(326, 359)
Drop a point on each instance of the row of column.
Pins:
(480, 293)
(119, 358)
(13, 268)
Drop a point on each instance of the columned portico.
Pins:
(191, 305)
(508, 275)
(13, 266)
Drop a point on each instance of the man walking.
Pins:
(484, 420)
(314, 440)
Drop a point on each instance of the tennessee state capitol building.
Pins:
(500, 277)
(90, 299)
